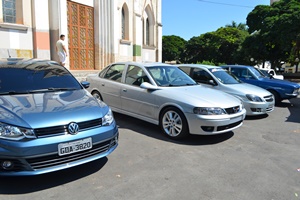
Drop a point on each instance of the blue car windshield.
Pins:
(224, 76)
(256, 72)
(36, 78)
(167, 76)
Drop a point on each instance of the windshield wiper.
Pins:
(14, 92)
(51, 89)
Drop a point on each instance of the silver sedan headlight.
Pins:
(209, 111)
(108, 119)
(254, 98)
(15, 133)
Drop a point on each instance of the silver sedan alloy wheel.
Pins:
(172, 123)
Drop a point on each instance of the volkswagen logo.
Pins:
(73, 128)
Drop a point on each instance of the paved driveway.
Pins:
(259, 161)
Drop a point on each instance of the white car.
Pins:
(271, 73)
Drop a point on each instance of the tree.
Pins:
(240, 26)
(221, 46)
(172, 48)
(278, 26)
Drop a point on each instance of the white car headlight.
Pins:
(15, 133)
(254, 98)
(208, 111)
(108, 119)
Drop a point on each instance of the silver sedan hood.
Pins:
(49, 109)
(245, 88)
(199, 96)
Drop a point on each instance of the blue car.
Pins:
(48, 120)
(281, 89)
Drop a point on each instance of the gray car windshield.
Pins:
(167, 76)
(224, 76)
(36, 79)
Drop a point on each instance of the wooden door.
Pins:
(81, 36)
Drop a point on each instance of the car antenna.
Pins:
(8, 53)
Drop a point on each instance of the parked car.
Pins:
(256, 100)
(48, 120)
(271, 73)
(164, 95)
(281, 89)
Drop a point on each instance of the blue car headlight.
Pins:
(254, 98)
(108, 119)
(208, 111)
(15, 133)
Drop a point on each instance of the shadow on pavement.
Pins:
(28, 184)
(294, 108)
(256, 117)
(154, 131)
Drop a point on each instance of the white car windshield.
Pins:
(224, 76)
(167, 76)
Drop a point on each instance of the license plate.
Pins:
(73, 147)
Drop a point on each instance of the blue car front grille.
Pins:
(54, 160)
(54, 130)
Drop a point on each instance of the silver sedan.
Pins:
(257, 101)
(164, 95)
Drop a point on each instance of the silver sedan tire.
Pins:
(96, 95)
(173, 123)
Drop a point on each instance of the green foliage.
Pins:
(172, 48)
(221, 46)
(278, 28)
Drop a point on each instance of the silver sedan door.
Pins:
(136, 100)
(110, 86)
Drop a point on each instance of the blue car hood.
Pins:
(280, 82)
(50, 109)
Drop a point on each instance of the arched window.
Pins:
(148, 27)
(147, 32)
(125, 23)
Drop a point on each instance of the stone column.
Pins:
(41, 34)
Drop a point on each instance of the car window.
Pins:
(170, 76)
(36, 76)
(237, 72)
(135, 76)
(115, 72)
(187, 70)
(225, 76)
(257, 72)
(201, 76)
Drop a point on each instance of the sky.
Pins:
(189, 18)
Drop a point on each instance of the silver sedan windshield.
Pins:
(167, 76)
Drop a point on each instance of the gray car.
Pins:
(48, 121)
(257, 101)
(164, 95)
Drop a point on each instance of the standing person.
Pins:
(61, 50)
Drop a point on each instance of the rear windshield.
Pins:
(35, 77)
